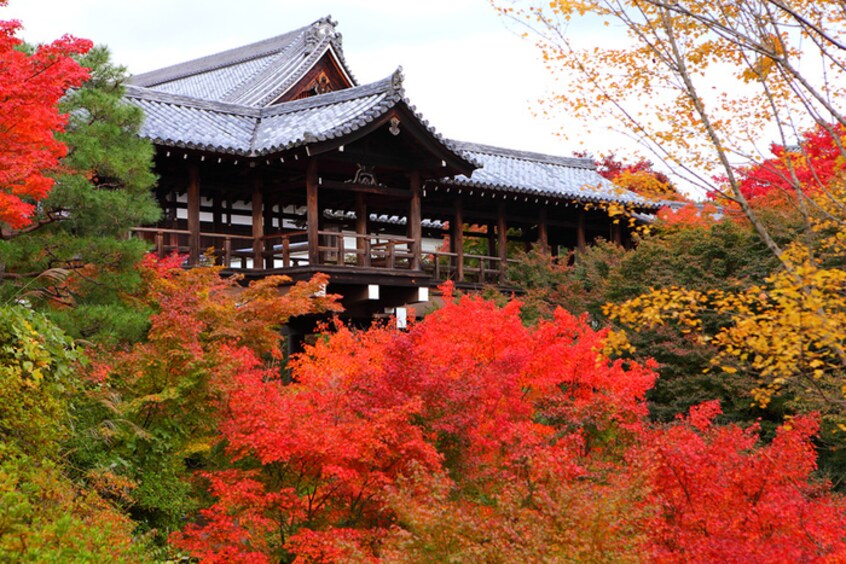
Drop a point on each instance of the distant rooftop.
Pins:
(251, 75)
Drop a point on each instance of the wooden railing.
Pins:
(477, 269)
(286, 250)
(368, 251)
(278, 250)
(290, 249)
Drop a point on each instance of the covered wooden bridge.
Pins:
(272, 160)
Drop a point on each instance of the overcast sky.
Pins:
(467, 70)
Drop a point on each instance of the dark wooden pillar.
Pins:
(581, 239)
(502, 240)
(217, 214)
(543, 234)
(257, 209)
(268, 230)
(362, 244)
(415, 229)
(458, 240)
(193, 214)
(312, 212)
(617, 233)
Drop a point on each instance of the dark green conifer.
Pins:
(75, 262)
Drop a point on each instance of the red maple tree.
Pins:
(165, 392)
(723, 497)
(810, 165)
(30, 88)
(473, 437)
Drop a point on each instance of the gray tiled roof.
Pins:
(540, 175)
(220, 103)
(215, 84)
(177, 121)
(320, 118)
(182, 121)
(252, 75)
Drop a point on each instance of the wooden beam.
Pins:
(257, 208)
(278, 185)
(193, 214)
(617, 233)
(362, 243)
(415, 228)
(458, 239)
(365, 188)
(356, 155)
(478, 216)
(312, 212)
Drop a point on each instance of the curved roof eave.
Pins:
(183, 121)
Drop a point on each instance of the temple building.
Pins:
(274, 160)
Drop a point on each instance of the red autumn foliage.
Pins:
(811, 166)
(203, 319)
(30, 89)
(164, 392)
(691, 215)
(472, 437)
(725, 498)
(236, 527)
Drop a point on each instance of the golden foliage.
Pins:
(704, 86)
(788, 333)
(709, 87)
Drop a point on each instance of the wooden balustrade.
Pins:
(339, 249)
(284, 250)
(478, 269)
(228, 249)
(376, 251)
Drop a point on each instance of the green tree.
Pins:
(75, 261)
(44, 515)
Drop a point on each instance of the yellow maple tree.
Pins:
(709, 88)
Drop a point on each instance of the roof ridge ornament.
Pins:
(318, 31)
(327, 19)
(396, 80)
